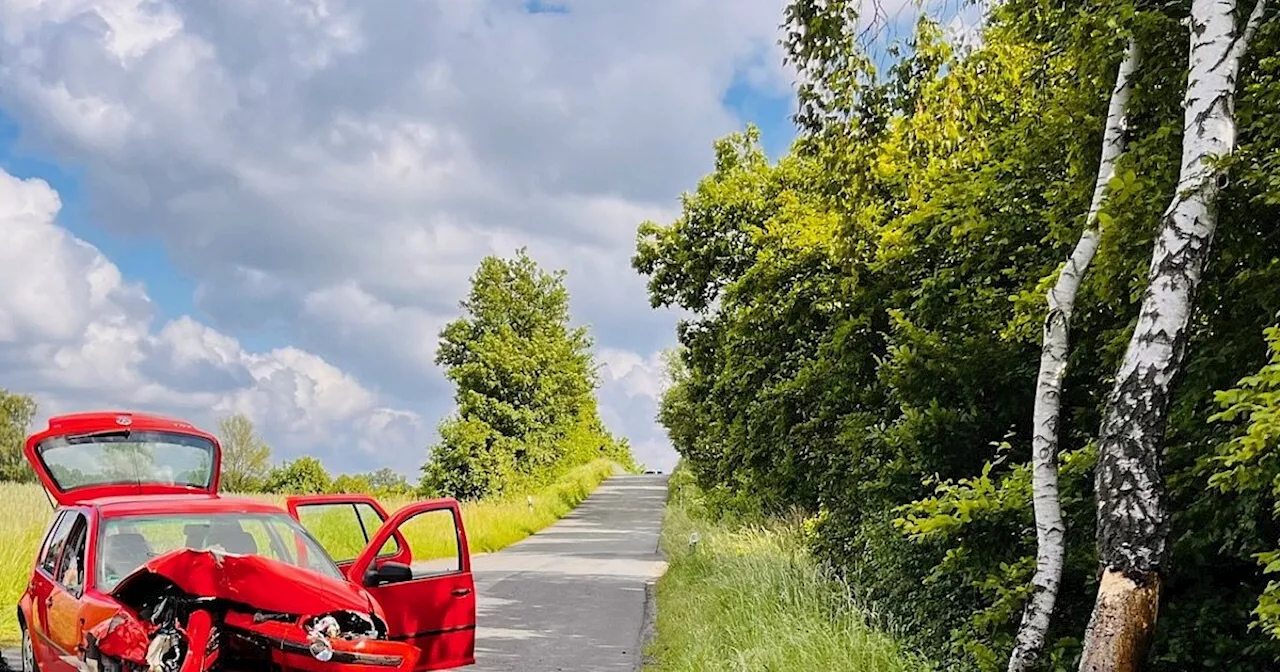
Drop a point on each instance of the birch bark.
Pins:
(1050, 529)
(1133, 523)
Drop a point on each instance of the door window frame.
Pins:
(80, 526)
(51, 540)
(391, 528)
(402, 549)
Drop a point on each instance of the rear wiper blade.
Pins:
(104, 434)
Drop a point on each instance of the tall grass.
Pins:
(25, 517)
(491, 525)
(750, 598)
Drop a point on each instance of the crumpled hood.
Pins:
(252, 580)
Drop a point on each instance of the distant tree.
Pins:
(387, 480)
(525, 385)
(16, 413)
(246, 458)
(303, 476)
(349, 483)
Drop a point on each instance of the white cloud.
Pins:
(631, 389)
(335, 170)
(74, 333)
(635, 375)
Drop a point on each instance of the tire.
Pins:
(28, 652)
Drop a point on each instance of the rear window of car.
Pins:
(128, 457)
(126, 543)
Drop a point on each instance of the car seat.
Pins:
(196, 534)
(124, 552)
(232, 538)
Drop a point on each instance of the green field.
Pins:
(490, 525)
(749, 598)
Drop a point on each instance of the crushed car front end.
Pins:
(210, 611)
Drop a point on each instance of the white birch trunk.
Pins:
(1133, 522)
(1050, 529)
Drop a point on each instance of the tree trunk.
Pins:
(1053, 366)
(1133, 523)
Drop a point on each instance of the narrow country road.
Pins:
(571, 598)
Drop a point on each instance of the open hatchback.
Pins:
(88, 456)
(147, 567)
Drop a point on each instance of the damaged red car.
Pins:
(147, 567)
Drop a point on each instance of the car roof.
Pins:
(111, 507)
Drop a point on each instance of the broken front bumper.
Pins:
(205, 611)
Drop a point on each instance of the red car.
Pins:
(146, 567)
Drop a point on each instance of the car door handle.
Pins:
(461, 592)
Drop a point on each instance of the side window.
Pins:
(344, 528)
(54, 542)
(433, 539)
(71, 562)
(370, 521)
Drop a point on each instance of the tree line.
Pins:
(1003, 323)
(526, 409)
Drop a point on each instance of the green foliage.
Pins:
(246, 458)
(351, 483)
(1249, 464)
(16, 414)
(389, 482)
(525, 387)
(384, 482)
(303, 476)
(866, 318)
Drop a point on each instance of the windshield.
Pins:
(126, 543)
(121, 457)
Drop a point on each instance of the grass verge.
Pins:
(749, 597)
(491, 525)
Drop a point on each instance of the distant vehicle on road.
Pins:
(146, 566)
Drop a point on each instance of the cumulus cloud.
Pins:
(73, 332)
(631, 389)
(334, 170)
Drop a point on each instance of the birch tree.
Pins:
(1050, 529)
(1132, 515)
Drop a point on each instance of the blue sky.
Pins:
(272, 208)
(141, 259)
(227, 208)
(144, 259)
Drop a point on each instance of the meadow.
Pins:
(490, 525)
(748, 597)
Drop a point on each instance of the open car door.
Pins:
(416, 564)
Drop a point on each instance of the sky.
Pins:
(272, 208)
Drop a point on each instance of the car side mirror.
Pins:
(388, 572)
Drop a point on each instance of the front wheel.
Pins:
(28, 652)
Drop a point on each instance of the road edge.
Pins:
(649, 625)
(649, 622)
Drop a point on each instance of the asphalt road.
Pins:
(572, 597)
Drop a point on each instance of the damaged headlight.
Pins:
(319, 633)
(321, 650)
